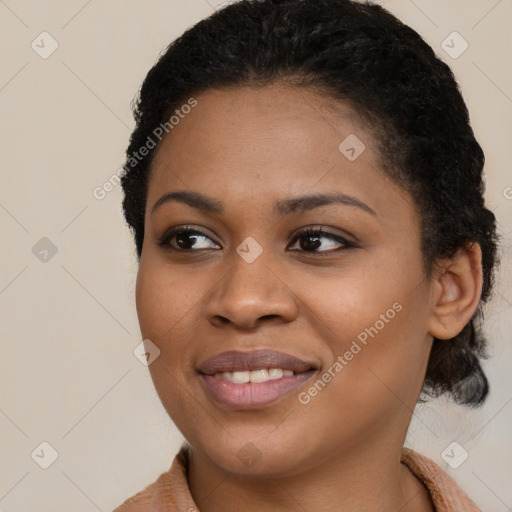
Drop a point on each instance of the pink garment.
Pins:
(170, 492)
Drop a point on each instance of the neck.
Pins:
(366, 478)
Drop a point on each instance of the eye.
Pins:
(311, 239)
(185, 239)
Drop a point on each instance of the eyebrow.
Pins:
(281, 207)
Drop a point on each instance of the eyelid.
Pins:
(321, 228)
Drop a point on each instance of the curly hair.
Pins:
(361, 54)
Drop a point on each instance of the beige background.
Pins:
(69, 325)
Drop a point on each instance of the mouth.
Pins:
(249, 380)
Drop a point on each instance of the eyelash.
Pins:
(164, 240)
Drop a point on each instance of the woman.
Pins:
(305, 193)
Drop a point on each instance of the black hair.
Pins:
(359, 53)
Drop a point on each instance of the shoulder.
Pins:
(143, 501)
(150, 498)
(169, 493)
(446, 495)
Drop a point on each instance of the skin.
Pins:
(247, 148)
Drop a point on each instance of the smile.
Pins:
(250, 380)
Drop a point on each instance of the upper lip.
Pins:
(233, 360)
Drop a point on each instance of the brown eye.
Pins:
(184, 239)
(314, 241)
(311, 240)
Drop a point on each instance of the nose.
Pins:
(250, 294)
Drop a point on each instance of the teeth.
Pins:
(262, 375)
(275, 373)
(259, 375)
(239, 377)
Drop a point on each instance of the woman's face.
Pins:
(345, 310)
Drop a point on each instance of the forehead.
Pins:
(253, 143)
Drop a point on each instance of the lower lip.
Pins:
(252, 395)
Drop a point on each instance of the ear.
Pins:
(457, 288)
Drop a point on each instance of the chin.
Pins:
(256, 455)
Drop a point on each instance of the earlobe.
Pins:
(457, 291)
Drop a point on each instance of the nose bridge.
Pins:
(250, 291)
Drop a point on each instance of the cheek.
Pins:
(369, 385)
(381, 353)
(374, 320)
(165, 309)
(163, 299)
(343, 304)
